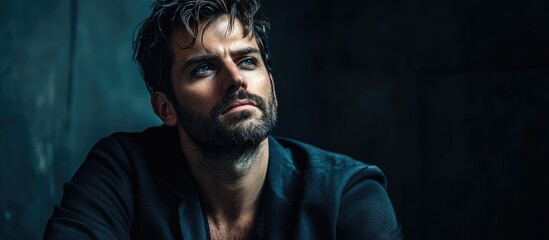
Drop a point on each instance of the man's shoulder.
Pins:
(315, 157)
(160, 143)
(150, 137)
(314, 160)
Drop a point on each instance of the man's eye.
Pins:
(203, 70)
(248, 63)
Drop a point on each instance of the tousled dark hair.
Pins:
(151, 46)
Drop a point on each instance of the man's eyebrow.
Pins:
(198, 59)
(245, 51)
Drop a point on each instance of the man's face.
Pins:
(224, 92)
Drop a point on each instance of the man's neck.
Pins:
(230, 179)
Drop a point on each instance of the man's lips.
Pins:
(238, 104)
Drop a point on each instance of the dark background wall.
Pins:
(447, 97)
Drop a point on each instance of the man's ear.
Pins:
(273, 89)
(164, 109)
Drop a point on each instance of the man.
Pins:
(212, 171)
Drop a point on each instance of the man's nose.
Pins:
(233, 78)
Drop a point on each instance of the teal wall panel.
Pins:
(66, 80)
(33, 106)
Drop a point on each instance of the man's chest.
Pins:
(239, 232)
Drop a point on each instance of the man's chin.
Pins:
(237, 138)
(247, 132)
(239, 119)
(244, 127)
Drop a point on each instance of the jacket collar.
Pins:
(282, 186)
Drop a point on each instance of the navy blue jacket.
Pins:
(138, 186)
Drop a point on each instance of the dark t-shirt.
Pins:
(138, 186)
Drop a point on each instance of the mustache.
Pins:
(239, 95)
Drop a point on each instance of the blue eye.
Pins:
(248, 63)
(203, 70)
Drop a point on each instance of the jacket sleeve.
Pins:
(366, 211)
(97, 203)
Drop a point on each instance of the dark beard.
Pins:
(211, 135)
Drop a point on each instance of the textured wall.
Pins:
(66, 80)
(448, 97)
